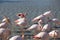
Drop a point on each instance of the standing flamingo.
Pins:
(22, 22)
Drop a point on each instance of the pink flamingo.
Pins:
(55, 20)
(46, 15)
(36, 19)
(33, 27)
(36, 27)
(54, 34)
(42, 36)
(22, 22)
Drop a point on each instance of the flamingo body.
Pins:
(37, 18)
(33, 27)
(16, 38)
(54, 34)
(48, 14)
(46, 27)
(21, 22)
(41, 35)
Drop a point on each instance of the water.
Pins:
(32, 7)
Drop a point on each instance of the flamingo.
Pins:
(5, 33)
(6, 19)
(45, 16)
(48, 14)
(35, 26)
(36, 19)
(17, 37)
(5, 22)
(42, 36)
(54, 34)
(22, 21)
(55, 20)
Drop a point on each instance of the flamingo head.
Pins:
(21, 15)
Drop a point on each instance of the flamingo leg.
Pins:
(22, 33)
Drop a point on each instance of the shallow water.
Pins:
(32, 7)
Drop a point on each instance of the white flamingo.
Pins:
(42, 36)
(5, 33)
(17, 37)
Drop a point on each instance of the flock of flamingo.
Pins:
(43, 27)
